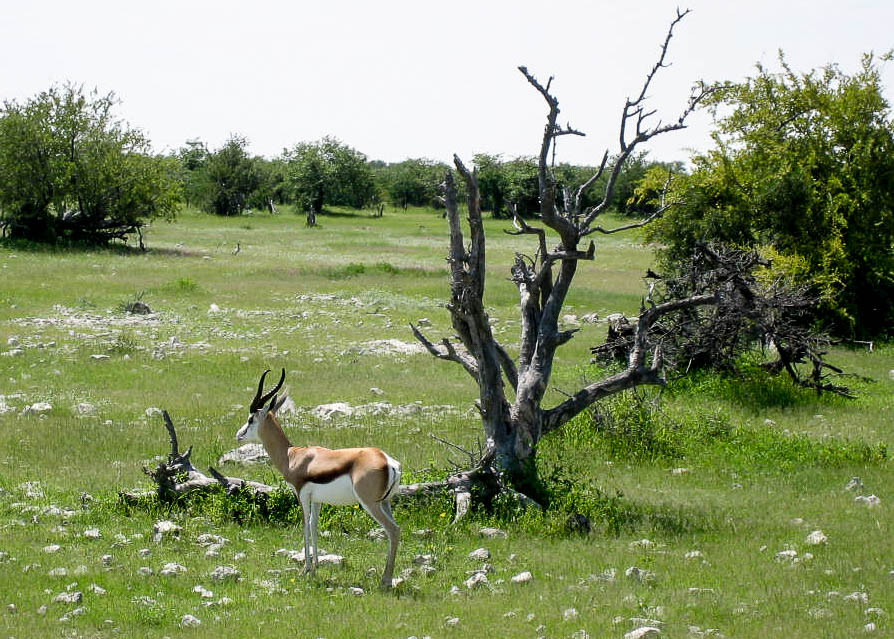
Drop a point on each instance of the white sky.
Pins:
(398, 79)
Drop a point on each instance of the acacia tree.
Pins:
(514, 426)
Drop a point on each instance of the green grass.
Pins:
(738, 469)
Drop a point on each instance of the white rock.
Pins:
(480, 554)
(144, 552)
(694, 554)
(165, 528)
(38, 407)
(874, 612)
(69, 597)
(12, 341)
(100, 356)
(816, 538)
(207, 539)
(97, 589)
(860, 597)
(92, 533)
(188, 621)
(580, 634)
(153, 411)
(569, 613)
(14, 352)
(451, 621)
(868, 500)
(639, 574)
(870, 627)
(855, 483)
(172, 568)
(85, 408)
(786, 555)
(203, 592)
(642, 543)
(246, 454)
(335, 409)
(376, 391)
(478, 579)
(680, 471)
(145, 571)
(357, 592)
(492, 533)
(222, 573)
(52, 548)
(330, 559)
(645, 631)
(424, 560)
(522, 577)
(214, 308)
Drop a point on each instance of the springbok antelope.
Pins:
(318, 475)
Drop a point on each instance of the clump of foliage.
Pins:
(803, 164)
(413, 182)
(71, 171)
(744, 307)
(329, 172)
(228, 178)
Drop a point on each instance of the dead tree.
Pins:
(513, 427)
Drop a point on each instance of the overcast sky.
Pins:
(399, 79)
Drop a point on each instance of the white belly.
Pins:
(338, 492)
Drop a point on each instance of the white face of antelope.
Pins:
(249, 431)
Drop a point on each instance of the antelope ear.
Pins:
(276, 404)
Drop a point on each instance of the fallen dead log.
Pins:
(177, 477)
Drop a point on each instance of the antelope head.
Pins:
(258, 411)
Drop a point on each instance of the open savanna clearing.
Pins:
(705, 511)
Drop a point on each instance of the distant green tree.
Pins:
(413, 182)
(192, 157)
(329, 172)
(272, 187)
(70, 170)
(803, 165)
(229, 178)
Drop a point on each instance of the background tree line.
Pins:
(802, 169)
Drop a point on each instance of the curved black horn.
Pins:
(260, 400)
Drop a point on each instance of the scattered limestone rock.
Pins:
(223, 573)
(92, 533)
(694, 554)
(481, 554)
(97, 589)
(639, 574)
(641, 633)
(680, 471)
(330, 559)
(642, 543)
(38, 408)
(860, 597)
(478, 579)
(870, 627)
(492, 533)
(246, 454)
(164, 529)
(451, 621)
(855, 483)
(786, 555)
(189, 621)
(204, 593)
(52, 548)
(868, 500)
(153, 411)
(522, 577)
(569, 613)
(816, 538)
(85, 408)
(69, 597)
(357, 592)
(171, 569)
(145, 571)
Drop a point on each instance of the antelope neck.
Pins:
(275, 443)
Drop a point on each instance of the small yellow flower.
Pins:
(443, 514)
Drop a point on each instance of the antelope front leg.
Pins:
(306, 517)
(315, 530)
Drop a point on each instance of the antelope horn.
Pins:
(260, 400)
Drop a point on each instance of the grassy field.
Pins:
(712, 497)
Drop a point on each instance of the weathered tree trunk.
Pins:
(513, 429)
